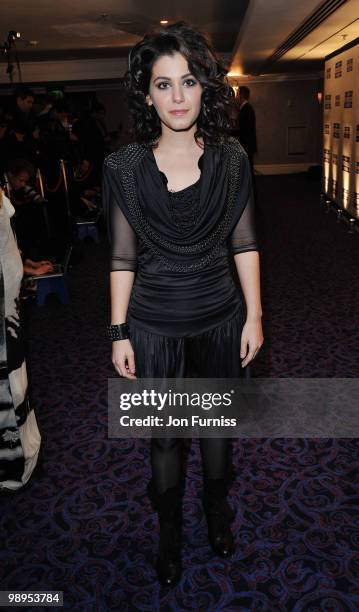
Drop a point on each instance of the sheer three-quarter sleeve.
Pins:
(123, 242)
(244, 238)
(122, 236)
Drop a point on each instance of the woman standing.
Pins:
(19, 435)
(179, 205)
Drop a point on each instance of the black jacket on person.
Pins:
(55, 139)
(247, 128)
(28, 148)
(19, 118)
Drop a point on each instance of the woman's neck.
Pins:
(181, 142)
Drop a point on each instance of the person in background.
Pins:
(21, 110)
(93, 137)
(246, 124)
(99, 117)
(29, 218)
(19, 143)
(56, 135)
(84, 190)
(20, 439)
(19, 174)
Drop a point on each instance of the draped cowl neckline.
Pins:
(141, 192)
(184, 203)
(153, 195)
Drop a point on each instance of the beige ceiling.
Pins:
(267, 24)
(89, 28)
(246, 32)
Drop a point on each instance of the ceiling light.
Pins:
(163, 21)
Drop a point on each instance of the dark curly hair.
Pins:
(213, 123)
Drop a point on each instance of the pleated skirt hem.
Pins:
(214, 353)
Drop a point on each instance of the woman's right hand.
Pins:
(123, 358)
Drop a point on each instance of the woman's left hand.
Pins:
(251, 340)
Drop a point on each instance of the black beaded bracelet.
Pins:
(118, 332)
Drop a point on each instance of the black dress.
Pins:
(185, 305)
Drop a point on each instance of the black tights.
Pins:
(167, 460)
(162, 357)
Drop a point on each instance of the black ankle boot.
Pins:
(219, 516)
(169, 508)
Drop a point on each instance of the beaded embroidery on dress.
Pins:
(192, 250)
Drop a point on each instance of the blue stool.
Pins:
(88, 229)
(56, 284)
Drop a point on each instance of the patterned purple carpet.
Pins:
(85, 526)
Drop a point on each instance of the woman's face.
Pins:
(20, 180)
(174, 92)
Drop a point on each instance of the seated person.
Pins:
(20, 171)
(85, 195)
(28, 203)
